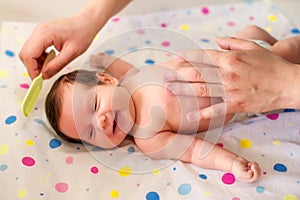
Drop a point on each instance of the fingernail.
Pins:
(168, 75)
(47, 74)
(178, 58)
(193, 116)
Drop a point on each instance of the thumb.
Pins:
(57, 64)
(232, 43)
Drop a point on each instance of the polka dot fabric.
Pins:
(35, 164)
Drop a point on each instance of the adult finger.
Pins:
(59, 62)
(197, 73)
(197, 89)
(232, 43)
(210, 112)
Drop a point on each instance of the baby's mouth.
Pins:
(115, 123)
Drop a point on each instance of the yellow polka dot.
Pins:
(290, 197)
(4, 149)
(269, 29)
(245, 143)
(22, 193)
(114, 194)
(206, 29)
(25, 74)
(290, 124)
(156, 171)
(19, 102)
(48, 174)
(272, 18)
(3, 73)
(30, 143)
(19, 40)
(185, 27)
(207, 193)
(124, 171)
(115, 39)
(276, 142)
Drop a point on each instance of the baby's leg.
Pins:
(288, 49)
(255, 33)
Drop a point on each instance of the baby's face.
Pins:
(87, 114)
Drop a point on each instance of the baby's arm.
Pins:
(115, 66)
(167, 145)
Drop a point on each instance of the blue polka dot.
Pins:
(204, 40)
(133, 48)
(97, 148)
(54, 143)
(11, 119)
(152, 196)
(9, 53)
(280, 167)
(289, 110)
(130, 150)
(109, 52)
(260, 189)
(184, 189)
(39, 121)
(295, 31)
(174, 168)
(3, 167)
(149, 61)
(203, 176)
(148, 42)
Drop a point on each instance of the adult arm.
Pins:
(248, 77)
(70, 36)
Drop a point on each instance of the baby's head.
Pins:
(85, 113)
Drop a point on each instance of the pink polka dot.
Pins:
(24, 85)
(264, 173)
(94, 170)
(115, 19)
(220, 145)
(140, 32)
(61, 187)
(230, 23)
(205, 11)
(236, 198)
(165, 43)
(232, 8)
(163, 25)
(251, 18)
(273, 116)
(69, 160)
(28, 161)
(228, 178)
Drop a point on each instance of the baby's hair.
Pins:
(53, 104)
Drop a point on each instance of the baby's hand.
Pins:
(245, 170)
(101, 60)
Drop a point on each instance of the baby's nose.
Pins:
(102, 121)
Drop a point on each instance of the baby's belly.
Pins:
(177, 119)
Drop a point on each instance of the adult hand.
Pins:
(70, 36)
(250, 78)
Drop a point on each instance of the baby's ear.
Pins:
(107, 79)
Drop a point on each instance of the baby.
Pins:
(102, 110)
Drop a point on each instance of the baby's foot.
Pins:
(101, 60)
(245, 170)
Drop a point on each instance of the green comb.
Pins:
(34, 89)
